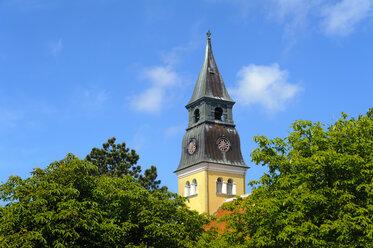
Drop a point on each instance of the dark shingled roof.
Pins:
(207, 150)
(210, 83)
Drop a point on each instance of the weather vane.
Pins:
(208, 34)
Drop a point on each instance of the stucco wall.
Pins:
(217, 199)
(198, 202)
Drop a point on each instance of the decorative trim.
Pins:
(211, 167)
(191, 170)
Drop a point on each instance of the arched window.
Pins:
(196, 115)
(218, 113)
(230, 187)
(187, 189)
(219, 185)
(194, 187)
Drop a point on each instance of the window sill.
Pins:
(191, 196)
(227, 195)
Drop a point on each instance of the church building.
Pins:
(211, 167)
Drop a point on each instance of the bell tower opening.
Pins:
(218, 114)
(196, 115)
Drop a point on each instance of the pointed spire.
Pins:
(210, 84)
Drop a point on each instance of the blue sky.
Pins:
(75, 73)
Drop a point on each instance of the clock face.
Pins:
(223, 144)
(192, 146)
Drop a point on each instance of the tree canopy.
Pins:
(67, 205)
(318, 191)
(116, 160)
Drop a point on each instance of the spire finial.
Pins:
(208, 33)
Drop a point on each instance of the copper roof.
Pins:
(210, 83)
(207, 150)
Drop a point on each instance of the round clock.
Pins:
(192, 146)
(223, 144)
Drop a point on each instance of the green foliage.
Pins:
(65, 205)
(116, 160)
(318, 191)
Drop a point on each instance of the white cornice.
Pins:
(211, 167)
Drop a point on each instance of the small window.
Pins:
(218, 114)
(196, 115)
(194, 188)
(187, 189)
(230, 187)
(219, 185)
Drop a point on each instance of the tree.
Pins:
(318, 191)
(65, 205)
(116, 160)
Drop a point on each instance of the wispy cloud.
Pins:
(335, 17)
(264, 85)
(56, 47)
(162, 79)
(293, 15)
(292, 12)
(174, 130)
(297, 17)
(25, 111)
(161, 76)
(91, 99)
(9, 117)
(175, 55)
(343, 17)
(140, 139)
(150, 100)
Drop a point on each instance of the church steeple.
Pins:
(210, 102)
(209, 83)
(211, 167)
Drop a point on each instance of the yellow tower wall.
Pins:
(198, 202)
(215, 200)
(206, 174)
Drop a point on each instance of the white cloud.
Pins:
(343, 17)
(265, 85)
(56, 47)
(162, 78)
(150, 100)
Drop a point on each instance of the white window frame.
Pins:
(187, 189)
(194, 187)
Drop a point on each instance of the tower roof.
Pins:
(209, 84)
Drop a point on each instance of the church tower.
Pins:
(211, 167)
